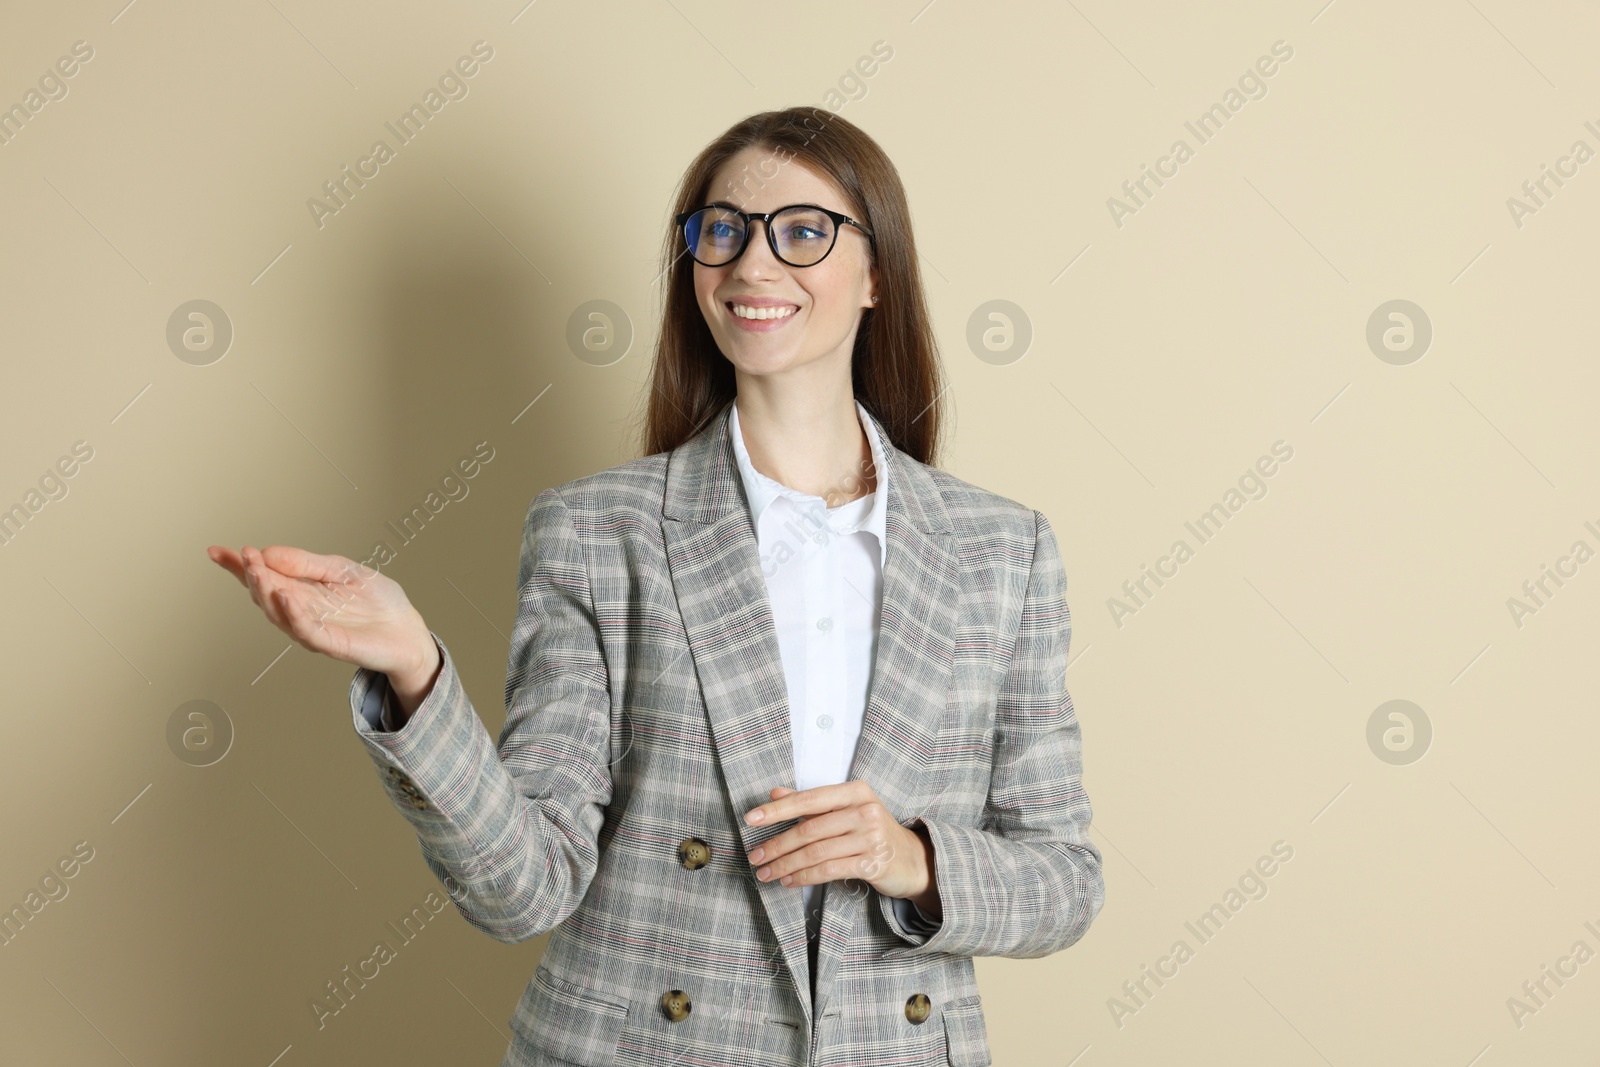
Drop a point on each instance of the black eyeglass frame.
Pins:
(840, 220)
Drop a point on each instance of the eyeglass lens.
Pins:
(804, 235)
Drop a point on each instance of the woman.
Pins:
(787, 740)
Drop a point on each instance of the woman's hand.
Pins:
(844, 832)
(338, 607)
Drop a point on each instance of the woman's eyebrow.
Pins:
(735, 207)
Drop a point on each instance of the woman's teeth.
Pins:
(744, 311)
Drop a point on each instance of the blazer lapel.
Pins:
(716, 574)
(910, 684)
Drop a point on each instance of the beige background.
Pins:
(1228, 313)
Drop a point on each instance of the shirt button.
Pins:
(820, 538)
(825, 624)
(825, 721)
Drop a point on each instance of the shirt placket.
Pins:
(822, 667)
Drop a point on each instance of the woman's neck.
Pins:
(819, 448)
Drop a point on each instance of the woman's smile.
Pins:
(761, 316)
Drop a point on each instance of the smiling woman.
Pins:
(771, 793)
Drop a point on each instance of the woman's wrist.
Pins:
(928, 900)
(411, 687)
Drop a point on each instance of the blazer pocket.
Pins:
(966, 1036)
(568, 1020)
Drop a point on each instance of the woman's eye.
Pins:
(804, 233)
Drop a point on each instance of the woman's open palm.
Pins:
(332, 605)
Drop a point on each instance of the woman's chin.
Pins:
(751, 359)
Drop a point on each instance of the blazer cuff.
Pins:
(378, 709)
(914, 919)
(373, 701)
(909, 922)
(409, 759)
(952, 853)
(1022, 887)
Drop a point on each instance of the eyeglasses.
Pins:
(800, 235)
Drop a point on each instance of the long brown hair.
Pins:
(895, 367)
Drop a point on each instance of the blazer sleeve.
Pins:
(510, 828)
(1028, 881)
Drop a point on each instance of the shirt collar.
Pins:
(761, 490)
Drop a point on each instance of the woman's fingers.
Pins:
(228, 560)
(285, 566)
(299, 622)
(286, 602)
(271, 589)
(261, 582)
(298, 563)
(328, 603)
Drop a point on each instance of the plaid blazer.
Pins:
(647, 712)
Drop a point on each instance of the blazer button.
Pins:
(917, 1008)
(675, 1004)
(693, 853)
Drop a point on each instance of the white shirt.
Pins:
(824, 573)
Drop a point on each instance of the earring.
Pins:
(874, 300)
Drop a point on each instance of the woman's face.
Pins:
(827, 297)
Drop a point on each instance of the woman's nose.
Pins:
(757, 252)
